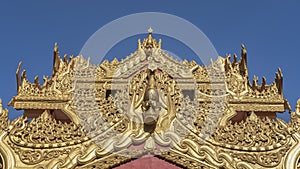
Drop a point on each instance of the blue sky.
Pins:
(269, 29)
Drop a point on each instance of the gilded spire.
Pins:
(243, 64)
(149, 42)
(18, 77)
(150, 30)
(55, 59)
(55, 47)
(279, 81)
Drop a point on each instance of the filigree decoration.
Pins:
(35, 156)
(189, 112)
(66, 73)
(236, 85)
(89, 155)
(163, 82)
(45, 131)
(210, 115)
(209, 73)
(160, 59)
(294, 124)
(96, 116)
(254, 134)
(59, 84)
(164, 102)
(4, 122)
(272, 91)
(264, 159)
(122, 126)
(237, 82)
(196, 132)
(204, 155)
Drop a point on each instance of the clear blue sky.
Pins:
(269, 29)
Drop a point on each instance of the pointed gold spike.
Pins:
(263, 83)
(150, 30)
(149, 42)
(18, 76)
(23, 75)
(55, 47)
(36, 80)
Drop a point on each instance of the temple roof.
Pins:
(149, 105)
(221, 76)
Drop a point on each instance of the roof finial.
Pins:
(149, 42)
(150, 36)
(55, 47)
(56, 58)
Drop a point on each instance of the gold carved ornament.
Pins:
(152, 111)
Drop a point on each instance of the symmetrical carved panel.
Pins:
(150, 104)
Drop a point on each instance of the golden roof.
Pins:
(191, 115)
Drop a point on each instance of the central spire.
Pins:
(149, 42)
(150, 30)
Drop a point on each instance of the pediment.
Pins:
(154, 58)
